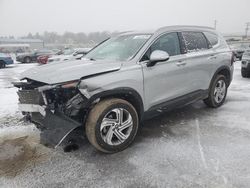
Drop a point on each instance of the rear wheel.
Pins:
(217, 93)
(112, 125)
(27, 60)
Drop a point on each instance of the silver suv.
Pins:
(125, 80)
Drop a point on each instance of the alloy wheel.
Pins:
(116, 126)
(219, 91)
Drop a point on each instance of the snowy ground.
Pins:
(190, 147)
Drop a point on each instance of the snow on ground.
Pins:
(10, 117)
(8, 96)
(11, 123)
(194, 146)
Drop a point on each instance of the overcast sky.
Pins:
(19, 17)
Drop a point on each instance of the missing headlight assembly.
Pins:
(55, 109)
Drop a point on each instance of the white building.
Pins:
(33, 43)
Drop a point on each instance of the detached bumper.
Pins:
(55, 127)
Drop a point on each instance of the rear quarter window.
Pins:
(195, 41)
(212, 38)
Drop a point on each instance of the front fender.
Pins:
(125, 93)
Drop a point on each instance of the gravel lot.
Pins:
(190, 147)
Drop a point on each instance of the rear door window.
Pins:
(195, 41)
(212, 38)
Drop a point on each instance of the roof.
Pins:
(170, 28)
(183, 27)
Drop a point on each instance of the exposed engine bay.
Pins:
(55, 109)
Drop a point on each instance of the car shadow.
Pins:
(9, 67)
(163, 122)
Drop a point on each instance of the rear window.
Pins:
(195, 41)
(212, 38)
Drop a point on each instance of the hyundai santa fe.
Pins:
(125, 80)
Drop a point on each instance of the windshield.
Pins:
(68, 52)
(119, 48)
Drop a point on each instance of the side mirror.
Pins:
(157, 56)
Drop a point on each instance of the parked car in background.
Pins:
(5, 59)
(238, 53)
(245, 64)
(57, 51)
(43, 59)
(32, 56)
(125, 80)
(238, 50)
(70, 54)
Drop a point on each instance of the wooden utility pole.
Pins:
(215, 24)
(247, 28)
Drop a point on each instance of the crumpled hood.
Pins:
(60, 72)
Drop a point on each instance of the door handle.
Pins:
(181, 63)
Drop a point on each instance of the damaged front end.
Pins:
(55, 109)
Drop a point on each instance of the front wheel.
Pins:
(2, 64)
(217, 93)
(27, 60)
(112, 125)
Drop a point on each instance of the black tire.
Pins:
(211, 101)
(2, 64)
(245, 73)
(27, 60)
(96, 117)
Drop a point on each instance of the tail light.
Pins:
(46, 60)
